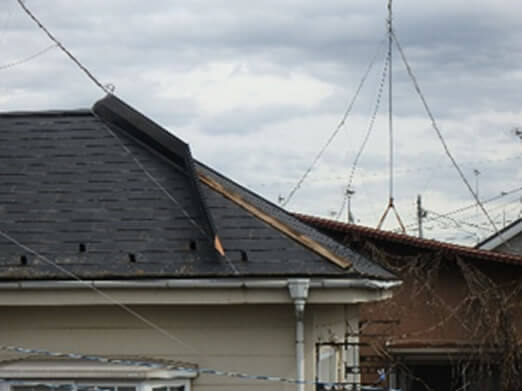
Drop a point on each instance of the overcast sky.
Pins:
(256, 89)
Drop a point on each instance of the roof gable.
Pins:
(69, 183)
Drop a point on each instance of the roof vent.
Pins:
(132, 258)
(82, 247)
(23, 260)
(244, 255)
(192, 245)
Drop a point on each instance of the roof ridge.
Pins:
(47, 113)
(116, 112)
(426, 243)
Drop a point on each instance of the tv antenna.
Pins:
(391, 205)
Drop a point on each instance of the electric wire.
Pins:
(439, 134)
(163, 365)
(508, 204)
(138, 163)
(26, 59)
(106, 296)
(335, 132)
(367, 135)
(49, 261)
(107, 91)
(168, 194)
(471, 206)
(457, 222)
(62, 47)
(377, 174)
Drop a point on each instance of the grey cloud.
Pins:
(467, 60)
(247, 120)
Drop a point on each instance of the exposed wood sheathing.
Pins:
(304, 240)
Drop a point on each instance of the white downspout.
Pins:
(299, 292)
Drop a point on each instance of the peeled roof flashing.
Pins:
(360, 265)
(302, 239)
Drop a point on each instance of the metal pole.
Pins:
(477, 173)
(390, 95)
(349, 194)
(419, 215)
(349, 208)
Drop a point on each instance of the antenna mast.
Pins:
(390, 124)
(390, 95)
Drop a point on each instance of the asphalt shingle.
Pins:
(70, 191)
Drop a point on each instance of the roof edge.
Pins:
(502, 236)
(428, 244)
(46, 113)
(275, 223)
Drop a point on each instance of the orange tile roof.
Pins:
(392, 237)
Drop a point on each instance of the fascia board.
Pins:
(194, 292)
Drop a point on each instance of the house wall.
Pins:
(513, 245)
(257, 339)
(421, 313)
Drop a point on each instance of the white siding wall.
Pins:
(257, 339)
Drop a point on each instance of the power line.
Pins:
(470, 206)
(63, 48)
(335, 132)
(106, 296)
(368, 132)
(160, 187)
(169, 366)
(439, 134)
(510, 204)
(456, 221)
(26, 59)
(400, 171)
(107, 91)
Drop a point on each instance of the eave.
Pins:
(190, 292)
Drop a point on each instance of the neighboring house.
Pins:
(506, 240)
(115, 242)
(454, 324)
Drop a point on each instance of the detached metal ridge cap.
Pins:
(229, 283)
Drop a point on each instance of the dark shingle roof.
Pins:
(65, 181)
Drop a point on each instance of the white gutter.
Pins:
(299, 292)
(200, 283)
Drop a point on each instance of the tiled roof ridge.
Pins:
(408, 239)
